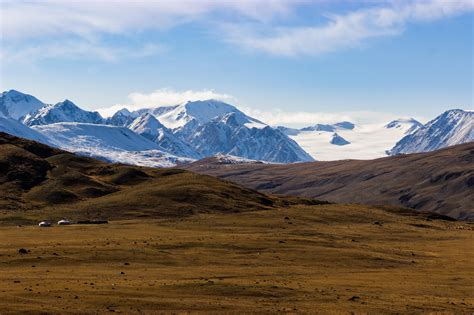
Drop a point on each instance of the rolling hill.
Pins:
(44, 182)
(441, 181)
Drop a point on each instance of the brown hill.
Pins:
(440, 181)
(37, 181)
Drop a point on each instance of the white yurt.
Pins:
(44, 224)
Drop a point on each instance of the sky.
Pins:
(286, 62)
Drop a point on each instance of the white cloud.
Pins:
(256, 25)
(75, 49)
(344, 31)
(86, 18)
(35, 30)
(163, 97)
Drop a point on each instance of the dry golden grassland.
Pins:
(302, 259)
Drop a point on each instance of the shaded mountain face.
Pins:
(15, 105)
(65, 111)
(235, 134)
(338, 140)
(450, 128)
(121, 118)
(441, 181)
(149, 127)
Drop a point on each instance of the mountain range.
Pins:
(170, 135)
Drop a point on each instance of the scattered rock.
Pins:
(23, 251)
(354, 298)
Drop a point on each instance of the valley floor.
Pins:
(303, 259)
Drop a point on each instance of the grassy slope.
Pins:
(38, 182)
(303, 258)
(440, 181)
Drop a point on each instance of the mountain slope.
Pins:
(115, 144)
(65, 111)
(16, 128)
(14, 104)
(149, 127)
(450, 128)
(441, 181)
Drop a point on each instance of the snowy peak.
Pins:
(16, 105)
(65, 111)
(453, 127)
(407, 125)
(205, 111)
(201, 112)
(338, 140)
(121, 118)
(343, 125)
(146, 125)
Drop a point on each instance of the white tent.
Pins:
(44, 224)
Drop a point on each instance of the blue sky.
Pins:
(286, 62)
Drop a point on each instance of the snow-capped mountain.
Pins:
(338, 140)
(16, 128)
(200, 129)
(121, 118)
(330, 128)
(149, 127)
(402, 124)
(115, 144)
(195, 113)
(345, 140)
(65, 111)
(234, 134)
(14, 104)
(211, 127)
(453, 127)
